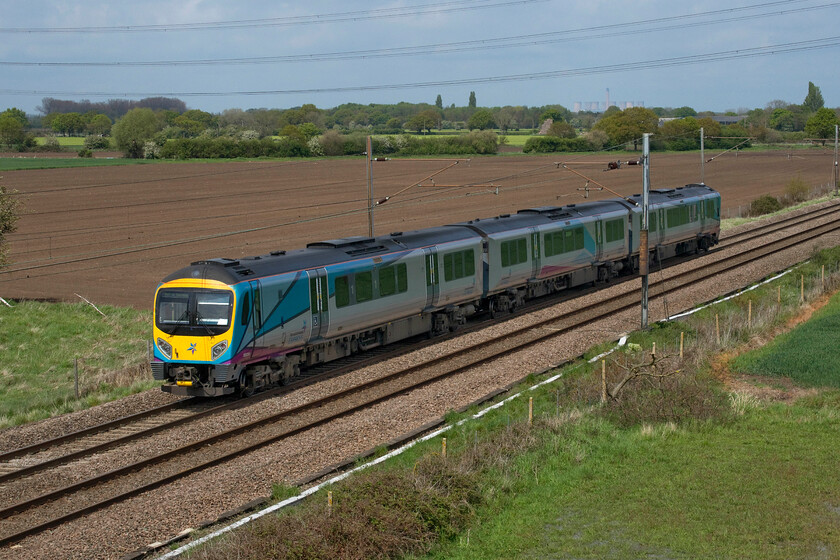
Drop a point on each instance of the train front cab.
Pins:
(193, 335)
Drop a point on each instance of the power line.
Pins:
(315, 19)
(588, 33)
(754, 52)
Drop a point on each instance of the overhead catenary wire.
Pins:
(312, 19)
(631, 66)
(492, 43)
(729, 150)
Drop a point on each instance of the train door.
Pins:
(432, 277)
(535, 253)
(319, 301)
(599, 240)
(657, 227)
(252, 315)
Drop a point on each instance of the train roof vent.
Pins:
(366, 250)
(539, 210)
(243, 271)
(560, 215)
(223, 262)
(341, 243)
(277, 253)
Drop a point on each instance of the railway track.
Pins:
(831, 209)
(34, 514)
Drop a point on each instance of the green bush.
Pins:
(95, 142)
(225, 147)
(765, 205)
(682, 144)
(85, 153)
(797, 190)
(547, 144)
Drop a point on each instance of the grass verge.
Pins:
(40, 343)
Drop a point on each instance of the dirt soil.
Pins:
(111, 234)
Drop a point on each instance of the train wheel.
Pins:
(245, 390)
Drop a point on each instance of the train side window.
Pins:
(402, 278)
(614, 230)
(449, 267)
(257, 309)
(578, 239)
(458, 265)
(678, 216)
(387, 281)
(469, 262)
(553, 243)
(710, 209)
(393, 280)
(342, 291)
(569, 240)
(364, 287)
(246, 309)
(652, 221)
(514, 252)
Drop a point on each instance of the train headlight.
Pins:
(165, 348)
(219, 349)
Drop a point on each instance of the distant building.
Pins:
(546, 126)
(722, 119)
(728, 119)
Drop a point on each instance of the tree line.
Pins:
(164, 127)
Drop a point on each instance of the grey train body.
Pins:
(335, 298)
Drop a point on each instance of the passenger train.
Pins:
(239, 325)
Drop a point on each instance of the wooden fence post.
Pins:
(530, 411)
(603, 381)
(749, 313)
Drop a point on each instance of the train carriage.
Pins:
(680, 220)
(223, 325)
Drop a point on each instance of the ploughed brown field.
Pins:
(111, 234)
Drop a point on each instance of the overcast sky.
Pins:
(711, 55)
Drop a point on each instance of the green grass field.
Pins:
(39, 343)
(517, 139)
(756, 487)
(63, 141)
(16, 163)
(807, 354)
